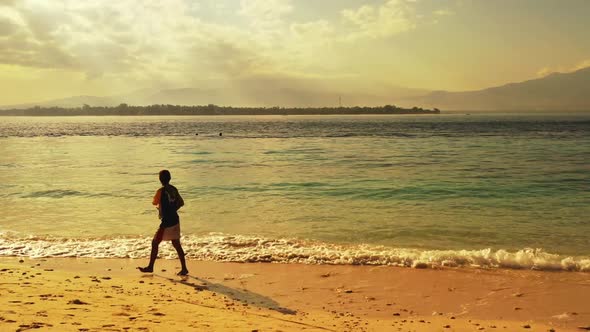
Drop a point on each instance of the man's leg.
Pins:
(180, 252)
(154, 254)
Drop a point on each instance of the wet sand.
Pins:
(111, 295)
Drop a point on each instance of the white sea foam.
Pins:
(219, 247)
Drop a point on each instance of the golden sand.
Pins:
(111, 295)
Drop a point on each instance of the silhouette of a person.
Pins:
(168, 201)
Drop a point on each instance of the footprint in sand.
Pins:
(33, 325)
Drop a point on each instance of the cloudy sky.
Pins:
(60, 48)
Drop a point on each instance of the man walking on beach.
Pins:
(168, 201)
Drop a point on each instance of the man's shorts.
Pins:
(168, 233)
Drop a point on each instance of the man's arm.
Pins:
(157, 197)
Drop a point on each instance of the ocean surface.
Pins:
(489, 190)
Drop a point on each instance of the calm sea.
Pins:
(493, 190)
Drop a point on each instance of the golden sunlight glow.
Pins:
(367, 48)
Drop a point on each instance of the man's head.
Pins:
(165, 176)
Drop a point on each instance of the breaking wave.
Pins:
(225, 248)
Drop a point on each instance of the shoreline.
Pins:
(218, 247)
(286, 297)
(125, 109)
(214, 115)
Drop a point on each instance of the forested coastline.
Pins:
(129, 110)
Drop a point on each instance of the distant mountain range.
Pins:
(558, 91)
(244, 93)
(555, 92)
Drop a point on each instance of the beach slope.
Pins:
(110, 295)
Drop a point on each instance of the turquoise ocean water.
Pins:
(494, 190)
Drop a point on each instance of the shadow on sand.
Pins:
(241, 295)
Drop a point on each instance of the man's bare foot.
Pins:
(182, 273)
(146, 269)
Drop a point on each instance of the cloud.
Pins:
(16, 51)
(265, 14)
(582, 64)
(52, 38)
(176, 43)
(168, 38)
(231, 60)
(443, 12)
(7, 26)
(545, 71)
(7, 2)
(320, 27)
(19, 45)
(313, 33)
(119, 39)
(391, 18)
(563, 69)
